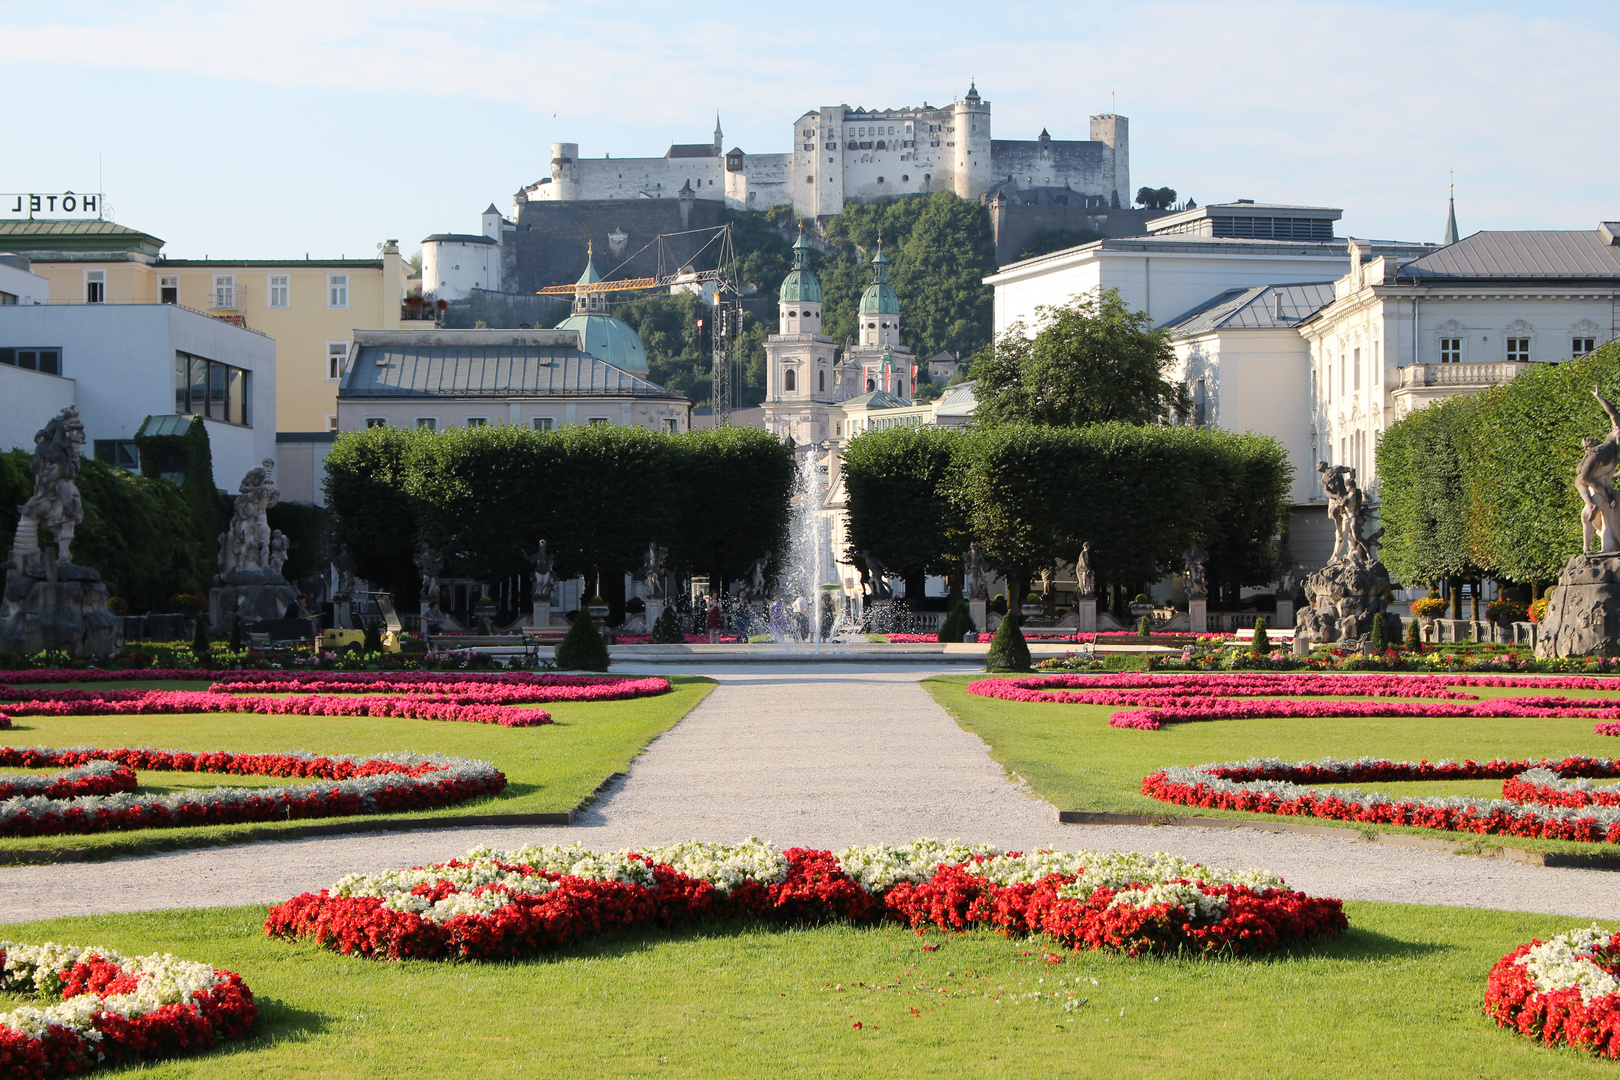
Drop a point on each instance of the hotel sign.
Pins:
(50, 205)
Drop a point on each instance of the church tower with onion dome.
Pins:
(801, 380)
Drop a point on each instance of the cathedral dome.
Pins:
(879, 299)
(800, 286)
(609, 339)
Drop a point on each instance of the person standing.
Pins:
(712, 622)
(801, 619)
(432, 620)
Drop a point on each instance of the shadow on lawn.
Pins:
(279, 1022)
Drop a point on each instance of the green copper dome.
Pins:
(609, 339)
(879, 299)
(800, 286)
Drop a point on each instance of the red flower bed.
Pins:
(1179, 699)
(82, 779)
(109, 1011)
(1561, 992)
(489, 908)
(389, 783)
(1540, 798)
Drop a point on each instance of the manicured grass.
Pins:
(1399, 995)
(549, 769)
(1074, 760)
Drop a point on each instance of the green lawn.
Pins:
(1398, 996)
(1074, 760)
(549, 769)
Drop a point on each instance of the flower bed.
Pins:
(109, 1010)
(346, 786)
(1179, 699)
(1562, 992)
(462, 708)
(495, 905)
(1547, 799)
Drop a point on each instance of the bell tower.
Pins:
(800, 381)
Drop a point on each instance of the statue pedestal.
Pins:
(1198, 613)
(57, 606)
(1086, 609)
(1345, 597)
(542, 613)
(255, 595)
(342, 612)
(1583, 611)
(979, 609)
(1285, 614)
(655, 608)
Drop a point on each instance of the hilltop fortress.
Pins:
(844, 155)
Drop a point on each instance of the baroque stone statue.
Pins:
(1594, 479)
(652, 571)
(430, 564)
(1345, 597)
(1193, 559)
(756, 577)
(1085, 573)
(50, 603)
(344, 564)
(1583, 610)
(251, 555)
(873, 576)
(976, 572)
(544, 580)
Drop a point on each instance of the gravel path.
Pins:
(805, 754)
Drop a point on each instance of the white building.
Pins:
(1187, 258)
(454, 264)
(840, 154)
(19, 284)
(121, 363)
(1403, 332)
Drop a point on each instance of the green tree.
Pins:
(900, 509)
(1046, 241)
(1424, 503)
(1008, 649)
(582, 648)
(1091, 361)
(731, 500)
(371, 510)
(1156, 198)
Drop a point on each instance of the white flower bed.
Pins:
(1565, 963)
(164, 980)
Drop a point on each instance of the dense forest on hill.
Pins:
(939, 248)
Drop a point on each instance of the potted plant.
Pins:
(597, 609)
(1505, 611)
(1032, 607)
(1141, 604)
(1428, 608)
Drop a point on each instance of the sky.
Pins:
(274, 128)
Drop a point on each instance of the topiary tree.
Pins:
(1262, 641)
(236, 633)
(1414, 636)
(958, 623)
(666, 629)
(199, 641)
(373, 636)
(1008, 649)
(1376, 638)
(582, 648)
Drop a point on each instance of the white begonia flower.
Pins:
(1565, 962)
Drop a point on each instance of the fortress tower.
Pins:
(970, 163)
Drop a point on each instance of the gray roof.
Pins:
(1542, 254)
(485, 364)
(1254, 309)
(875, 399)
(958, 400)
(458, 238)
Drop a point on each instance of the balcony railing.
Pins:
(1494, 374)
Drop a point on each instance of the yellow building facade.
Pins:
(310, 307)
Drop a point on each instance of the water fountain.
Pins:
(808, 570)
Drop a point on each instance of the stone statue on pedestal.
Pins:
(1194, 559)
(975, 573)
(756, 577)
(652, 571)
(1344, 597)
(873, 576)
(1583, 610)
(49, 603)
(251, 555)
(344, 564)
(540, 558)
(1085, 574)
(430, 564)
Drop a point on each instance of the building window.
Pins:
(429, 423)
(790, 380)
(48, 361)
(598, 421)
(1355, 381)
(822, 379)
(667, 426)
(95, 286)
(1581, 346)
(331, 421)
(208, 388)
(278, 291)
(168, 290)
(541, 423)
(1200, 403)
(225, 292)
(376, 421)
(870, 386)
(337, 354)
(1451, 350)
(337, 290)
(1518, 350)
(119, 452)
(477, 421)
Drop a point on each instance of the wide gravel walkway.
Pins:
(801, 754)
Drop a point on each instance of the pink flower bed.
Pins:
(461, 691)
(164, 702)
(1547, 799)
(387, 783)
(1176, 699)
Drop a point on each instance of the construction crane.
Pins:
(728, 313)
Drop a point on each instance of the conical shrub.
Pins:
(1008, 649)
(1262, 640)
(958, 623)
(666, 629)
(200, 646)
(582, 648)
